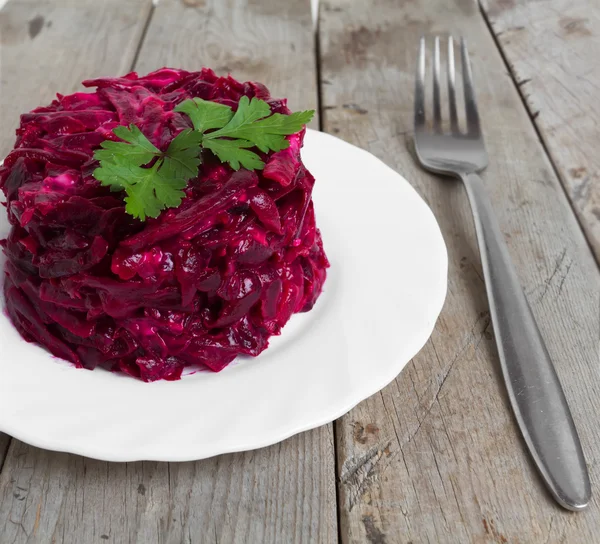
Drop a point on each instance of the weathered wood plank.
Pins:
(51, 46)
(437, 457)
(272, 42)
(550, 48)
(264, 40)
(278, 494)
(47, 47)
(284, 493)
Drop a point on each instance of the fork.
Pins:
(534, 390)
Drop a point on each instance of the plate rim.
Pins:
(278, 432)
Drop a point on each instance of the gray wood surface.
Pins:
(264, 40)
(436, 456)
(48, 47)
(285, 493)
(552, 49)
(278, 494)
(272, 42)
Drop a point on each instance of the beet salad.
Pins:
(159, 222)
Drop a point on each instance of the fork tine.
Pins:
(437, 103)
(451, 86)
(420, 87)
(470, 103)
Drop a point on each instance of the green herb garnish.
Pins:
(153, 180)
(149, 190)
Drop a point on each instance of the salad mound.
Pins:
(199, 284)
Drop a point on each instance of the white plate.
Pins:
(383, 294)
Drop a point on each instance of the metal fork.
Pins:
(533, 387)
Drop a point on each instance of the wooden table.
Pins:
(436, 456)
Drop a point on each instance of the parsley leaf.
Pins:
(268, 133)
(234, 152)
(149, 190)
(247, 113)
(141, 200)
(135, 147)
(169, 190)
(154, 180)
(205, 114)
(182, 157)
(254, 123)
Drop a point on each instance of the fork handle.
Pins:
(535, 393)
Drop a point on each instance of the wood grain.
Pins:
(436, 456)
(550, 48)
(48, 47)
(278, 494)
(51, 46)
(284, 493)
(264, 40)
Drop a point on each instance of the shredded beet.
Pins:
(200, 284)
